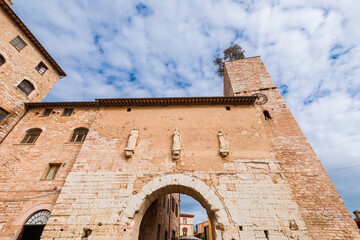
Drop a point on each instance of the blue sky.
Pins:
(165, 48)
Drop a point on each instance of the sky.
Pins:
(154, 48)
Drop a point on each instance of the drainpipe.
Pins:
(2, 140)
(170, 205)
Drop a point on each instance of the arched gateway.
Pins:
(176, 183)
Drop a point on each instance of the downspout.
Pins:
(170, 217)
(2, 140)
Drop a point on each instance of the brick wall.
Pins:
(20, 65)
(159, 218)
(24, 166)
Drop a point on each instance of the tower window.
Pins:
(79, 135)
(267, 115)
(18, 43)
(47, 112)
(41, 68)
(68, 112)
(2, 60)
(3, 114)
(26, 87)
(31, 136)
(52, 171)
(228, 108)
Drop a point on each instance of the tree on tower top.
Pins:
(233, 52)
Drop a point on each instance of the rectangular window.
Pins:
(47, 112)
(53, 169)
(176, 210)
(184, 219)
(18, 43)
(41, 68)
(68, 112)
(3, 114)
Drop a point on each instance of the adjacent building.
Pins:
(203, 231)
(161, 219)
(186, 224)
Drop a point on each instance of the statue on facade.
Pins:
(131, 144)
(224, 151)
(176, 145)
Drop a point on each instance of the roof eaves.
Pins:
(32, 38)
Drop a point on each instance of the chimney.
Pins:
(357, 214)
(9, 2)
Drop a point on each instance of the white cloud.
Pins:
(310, 46)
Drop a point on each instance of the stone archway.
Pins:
(174, 183)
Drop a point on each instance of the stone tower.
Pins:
(319, 203)
(27, 71)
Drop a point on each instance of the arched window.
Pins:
(79, 135)
(34, 226)
(2, 60)
(31, 136)
(26, 87)
(39, 218)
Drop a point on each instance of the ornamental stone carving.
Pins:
(224, 151)
(176, 145)
(130, 148)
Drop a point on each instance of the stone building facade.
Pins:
(161, 219)
(98, 166)
(203, 231)
(186, 224)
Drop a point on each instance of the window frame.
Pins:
(29, 134)
(3, 114)
(77, 132)
(15, 44)
(68, 112)
(24, 88)
(55, 172)
(40, 68)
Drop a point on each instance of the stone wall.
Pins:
(319, 203)
(270, 186)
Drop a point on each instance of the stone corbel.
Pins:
(130, 148)
(176, 145)
(224, 150)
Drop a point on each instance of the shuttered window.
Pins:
(31, 136)
(18, 43)
(26, 87)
